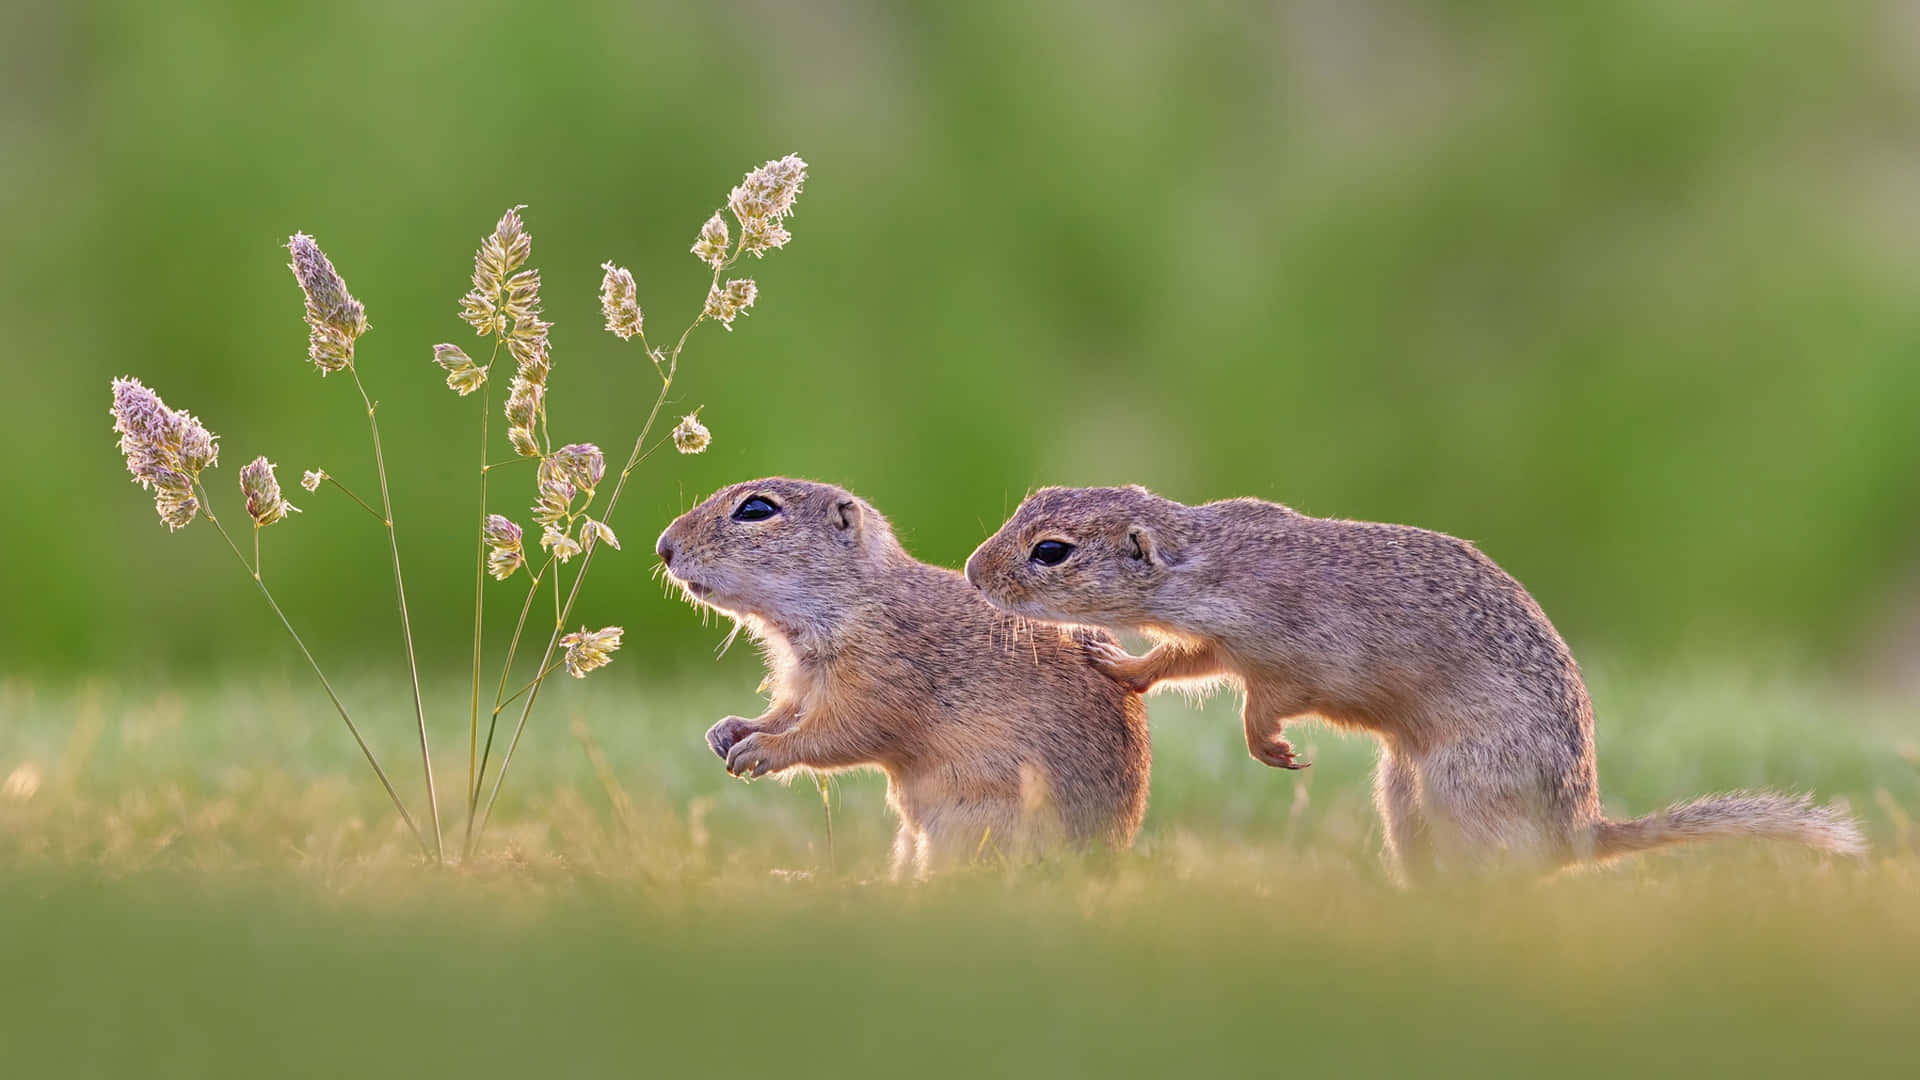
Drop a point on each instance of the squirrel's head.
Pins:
(787, 552)
(1092, 555)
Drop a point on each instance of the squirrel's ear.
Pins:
(845, 515)
(1149, 547)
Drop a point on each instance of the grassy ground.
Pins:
(206, 882)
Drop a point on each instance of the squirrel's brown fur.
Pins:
(1411, 635)
(995, 735)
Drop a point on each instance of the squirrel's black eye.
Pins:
(755, 509)
(1051, 552)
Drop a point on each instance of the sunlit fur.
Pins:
(1413, 636)
(997, 736)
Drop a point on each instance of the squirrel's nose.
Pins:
(665, 550)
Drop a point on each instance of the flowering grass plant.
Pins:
(168, 451)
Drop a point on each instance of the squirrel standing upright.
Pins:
(995, 735)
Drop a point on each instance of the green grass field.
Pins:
(207, 882)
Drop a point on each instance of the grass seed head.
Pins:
(525, 402)
(165, 449)
(761, 235)
(690, 436)
(527, 342)
(501, 253)
(769, 191)
(553, 502)
(262, 489)
(592, 532)
(463, 375)
(714, 241)
(504, 553)
(581, 464)
(556, 540)
(729, 302)
(334, 318)
(589, 651)
(619, 301)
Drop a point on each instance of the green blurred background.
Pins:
(1625, 292)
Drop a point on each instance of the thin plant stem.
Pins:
(826, 808)
(513, 646)
(586, 563)
(363, 503)
(206, 507)
(406, 623)
(560, 619)
(557, 664)
(514, 460)
(479, 581)
(634, 458)
(256, 548)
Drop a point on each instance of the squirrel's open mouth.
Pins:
(689, 586)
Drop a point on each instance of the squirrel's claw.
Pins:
(1280, 756)
(722, 736)
(1117, 664)
(752, 757)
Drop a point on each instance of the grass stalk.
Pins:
(499, 699)
(206, 507)
(826, 810)
(479, 586)
(406, 622)
(511, 698)
(553, 640)
(638, 454)
(363, 503)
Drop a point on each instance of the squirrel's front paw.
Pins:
(1119, 665)
(722, 736)
(756, 755)
(1279, 754)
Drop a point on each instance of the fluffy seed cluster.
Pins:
(334, 318)
(554, 499)
(619, 301)
(761, 204)
(589, 651)
(262, 489)
(463, 375)
(312, 479)
(690, 436)
(166, 449)
(526, 404)
(505, 302)
(504, 553)
(714, 243)
(500, 254)
(569, 473)
(731, 301)
(563, 547)
(593, 532)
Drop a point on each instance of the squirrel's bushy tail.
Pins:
(1738, 813)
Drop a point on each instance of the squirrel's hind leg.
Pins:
(1487, 810)
(1396, 791)
(909, 861)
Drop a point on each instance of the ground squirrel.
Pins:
(995, 735)
(1415, 636)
